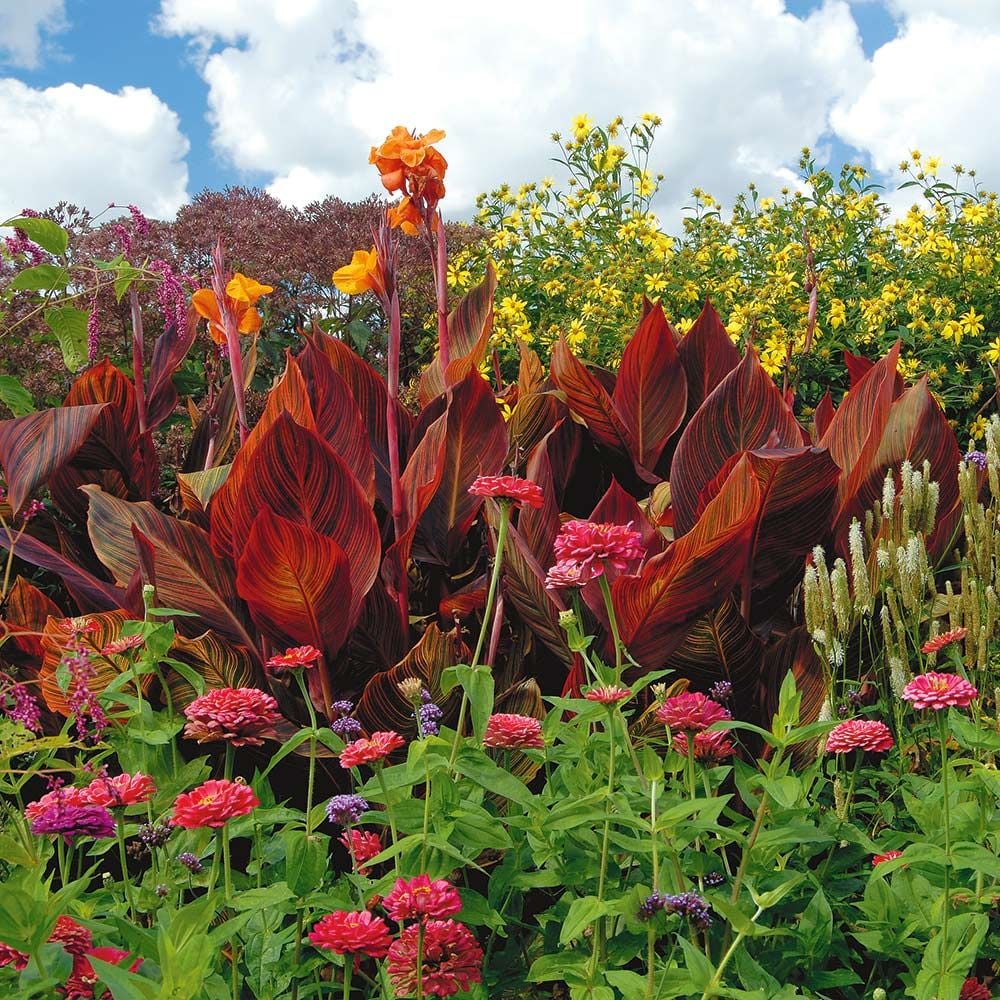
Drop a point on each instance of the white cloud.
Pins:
(89, 146)
(300, 89)
(22, 26)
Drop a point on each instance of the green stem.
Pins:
(650, 937)
(300, 678)
(348, 970)
(605, 838)
(427, 815)
(505, 512)
(420, 961)
(299, 922)
(389, 812)
(716, 979)
(615, 634)
(943, 738)
(227, 865)
(120, 829)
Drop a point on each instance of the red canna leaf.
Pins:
(297, 584)
(657, 607)
(26, 613)
(708, 355)
(745, 411)
(530, 374)
(169, 352)
(650, 394)
(823, 416)
(104, 383)
(858, 366)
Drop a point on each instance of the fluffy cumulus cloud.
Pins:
(91, 146)
(300, 89)
(24, 27)
(933, 88)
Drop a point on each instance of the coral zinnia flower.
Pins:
(937, 691)
(410, 163)
(118, 646)
(70, 822)
(376, 747)
(420, 897)
(888, 856)
(691, 712)
(213, 804)
(240, 716)
(707, 746)
(363, 274)
(405, 216)
(242, 294)
(121, 790)
(944, 639)
(609, 694)
(513, 732)
(363, 845)
(973, 989)
(452, 959)
(295, 658)
(355, 932)
(509, 488)
(591, 548)
(859, 734)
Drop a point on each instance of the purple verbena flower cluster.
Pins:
(343, 725)
(345, 810)
(977, 458)
(428, 715)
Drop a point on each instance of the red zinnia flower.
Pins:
(213, 804)
(121, 790)
(363, 845)
(859, 734)
(509, 488)
(80, 985)
(240, 716)
(691, 712)
(452, 959)
(513, 732)
(609, 694)
(74, 937)
(68, 795)
(973, 989)
(420, 897)
(944, 639)
(707, 746)
(357, 932)
(937, 691)
(295, 658)
(378, 746)
(887, 856)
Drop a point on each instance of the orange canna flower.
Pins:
(363, 274)
(410, 163)
(405, 216)
(242, 294)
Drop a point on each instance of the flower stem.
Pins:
(599, 933)
(348, 969)
(122, 857)
(310, 787)
(420, 961)
(946, 792)
(615, 634)
(441, 288)
(389, 812)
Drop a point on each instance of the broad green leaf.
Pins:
(946, 962)
(46, 233)
(40, 278)
(582, 913)
(69, 324)
(15, 397)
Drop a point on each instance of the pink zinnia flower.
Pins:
(568, 574)
(67, 795)
(213, 804)
(239, 716)
(121, 790)
(521, 491)
(123, 645)
(363, 845)
(452, 959)
(367, 750)
(598, 545)
(691, 712)
(887, 856)
(609, 694)
(944, 639)
(513, 732)
(352, 932)
(420, 897)
(937, 691)
(707, 746)
(859, 734)
(973, 989)
(295, 658)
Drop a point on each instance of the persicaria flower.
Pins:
(608, 694)
(939, 642)
(973, 989)
(594, 547)
(887, 856)
(691, 712)
(937, 691)
(23, 707)
(346, 809)
(121, 790)
(370, 749)
(363, 274)
(242, 294)
(507, 731)
(509, 488)
(708, 747)
(70, 822)
(860, 734)
(452, 959)
(213, 804)
(363, 846)
(352, 932)
(240, 716)
(295, 658)
(420, 897)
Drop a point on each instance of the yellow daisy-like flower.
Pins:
(972, 323)
(582, 124)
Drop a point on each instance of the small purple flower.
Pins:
(344, 707)
(345, 810)
(690, 905)
(71, 822)
(712, 879)
(344, 726)
(429, 715)
(721, 691)
(651, 905)
(977, 458)
(155, 835)
(139, 221)
(191, 863)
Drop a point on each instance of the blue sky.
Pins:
(154, 100)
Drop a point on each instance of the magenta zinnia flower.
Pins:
(522, 491)
(708, 747)
(937, 691)
(973, 989)
(238, 716)
(597, 546)
(70, 822)
(355, 932)
(859, 734)
(363, 845)
(420, 897)
(452, 959)
(567, 573)
(691, 712)
(506, 731)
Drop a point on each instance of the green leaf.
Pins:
(699, 968)
(816, 926)
(582, 913)
(69, 324)
(305, 860)
(124, 985)
(40, 278)
(46, 233)
(946, 963)
(558, 968)
(481, 770)
(126, 275)
(15, 397)
(765, 900)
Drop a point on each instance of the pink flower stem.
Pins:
(348, 969)
(389, 812)
(420, 961)
(138, 360)
(441, 287)
(392, 433)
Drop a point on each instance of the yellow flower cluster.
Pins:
(576, 259)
